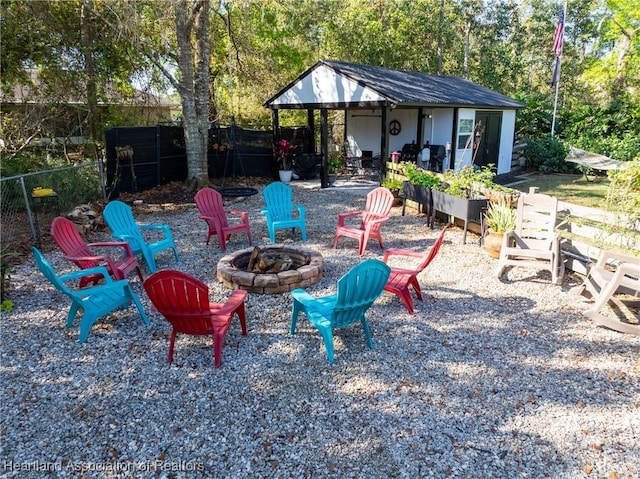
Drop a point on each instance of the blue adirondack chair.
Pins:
(357, 290)
(280, 209)
(119, 217)
(95, 301)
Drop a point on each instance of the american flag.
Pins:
(557, 36)
(557, 49)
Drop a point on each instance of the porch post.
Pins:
(324, 147)
(312, 128)
(384, 142)
(275, 119)
(420, 132)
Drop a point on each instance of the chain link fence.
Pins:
(27, 215)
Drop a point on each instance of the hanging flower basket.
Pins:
(124, 152)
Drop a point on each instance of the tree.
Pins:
(192, 28)
(142, 25)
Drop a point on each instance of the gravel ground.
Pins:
(489, 379)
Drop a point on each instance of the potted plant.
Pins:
(284, 150)
(395, 187)
(500, 217)
(333, 166)
(124, 152)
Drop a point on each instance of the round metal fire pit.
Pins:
(306, 269)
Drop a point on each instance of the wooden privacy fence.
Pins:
(585, 231)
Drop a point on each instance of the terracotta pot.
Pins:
(493, 243)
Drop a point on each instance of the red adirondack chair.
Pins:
(184, 301)
(212, 212)
(401, 278)
(375, 213)
(65, 234)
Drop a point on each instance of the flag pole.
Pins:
(555, 101)
(558, 66)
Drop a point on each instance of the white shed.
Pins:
(393, 110)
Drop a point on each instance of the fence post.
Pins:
(32, 226)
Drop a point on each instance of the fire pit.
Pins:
(270, 269)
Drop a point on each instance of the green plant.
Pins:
(334, 164)
(548, 154)
(500, 217)
(623, 197)
(283, 151)
(420, 177)
(5, 271)
(391, 184)
(468, 181)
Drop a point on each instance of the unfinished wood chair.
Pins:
(615, 281)
(534, 243)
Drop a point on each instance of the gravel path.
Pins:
(489, 379)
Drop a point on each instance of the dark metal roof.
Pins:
(404, 88)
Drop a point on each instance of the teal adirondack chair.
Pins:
(119, 217)
(280, 209)
(95, 301)
(357, 290)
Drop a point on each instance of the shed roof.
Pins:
(335, 84)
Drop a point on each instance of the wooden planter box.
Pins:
(419, 194)
(463, 208)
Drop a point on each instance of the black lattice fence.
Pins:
(159, 155)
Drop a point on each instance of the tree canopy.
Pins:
(224, 58)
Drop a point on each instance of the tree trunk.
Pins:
(194, 83)
(623, 53)
(87, 40)
(440, 32)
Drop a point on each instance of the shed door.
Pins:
(489, 125)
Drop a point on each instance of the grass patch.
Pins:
(569, 188)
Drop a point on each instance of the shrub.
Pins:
(547, 154)
(5, 270)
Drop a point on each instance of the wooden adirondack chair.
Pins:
(212, 212)
(94, 301)
(374, 215)
(65, 234)
(123, 226)
(401, 278)
(534, 243)
(613, 280)
(279, 210)
(184, 301)
(357, 290)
